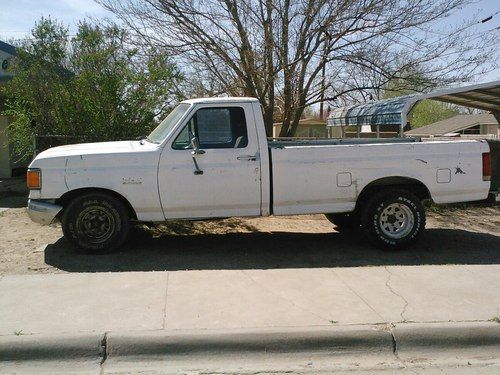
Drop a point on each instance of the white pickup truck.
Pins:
(210, 158)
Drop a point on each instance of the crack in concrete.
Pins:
(395, 348)
(103, 351)
(282, 297)
(394, 342)
(403, 311)
(359, 296)
(165, 306)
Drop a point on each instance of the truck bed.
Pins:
(325, 176)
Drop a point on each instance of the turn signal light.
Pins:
(34, 179)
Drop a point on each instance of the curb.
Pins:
(405, 340)
(443, 339)
(342, 340)
(82, 346)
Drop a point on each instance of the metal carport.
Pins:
(394, 111)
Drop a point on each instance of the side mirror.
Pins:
(195, 145)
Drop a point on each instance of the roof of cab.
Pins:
(229, 99)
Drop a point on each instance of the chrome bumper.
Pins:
(42, 212)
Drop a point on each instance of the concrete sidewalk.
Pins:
(106, 310)
(227, 299)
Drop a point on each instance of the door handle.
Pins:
(247, 157)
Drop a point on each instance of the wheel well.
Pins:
(70, 195)
(414, 186)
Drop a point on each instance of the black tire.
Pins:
(345, 221)
(393, 219)
(96, 223)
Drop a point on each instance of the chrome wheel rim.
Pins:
(96, 223)
(396, 220)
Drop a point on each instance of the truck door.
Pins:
(221, 178)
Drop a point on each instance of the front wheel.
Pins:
(393, 219)
(96, 222)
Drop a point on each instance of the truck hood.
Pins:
(97, 148)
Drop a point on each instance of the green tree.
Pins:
(428, 111)
(91, 87)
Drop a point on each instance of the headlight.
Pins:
(34, 178)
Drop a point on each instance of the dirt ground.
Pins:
(453, 236)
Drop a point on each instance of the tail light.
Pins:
(34, 179)
(486, 166)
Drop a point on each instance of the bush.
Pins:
(93, 86)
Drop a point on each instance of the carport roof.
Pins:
(485, 96)
(453, 124)
(382, 112)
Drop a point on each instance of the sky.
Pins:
(17, 17)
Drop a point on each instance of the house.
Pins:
(484, 124)
(7, 52)
(308, 128)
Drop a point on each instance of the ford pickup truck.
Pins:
(210, 158)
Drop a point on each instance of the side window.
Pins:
(183, 140)
(215, 128)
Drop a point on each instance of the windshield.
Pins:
(164, 128)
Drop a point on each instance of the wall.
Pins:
(5, 164)
(319, 131)
(5, 61)
(490, 129)
(5, 157)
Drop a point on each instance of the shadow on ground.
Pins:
(260, 250)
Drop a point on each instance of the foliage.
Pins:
(429, 111)
(93, 86)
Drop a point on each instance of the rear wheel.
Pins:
(96, 222)
(345, 221)
(393, 219)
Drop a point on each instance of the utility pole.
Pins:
(323, 72)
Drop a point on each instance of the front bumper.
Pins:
(42, 212)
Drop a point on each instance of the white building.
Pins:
(7, 52)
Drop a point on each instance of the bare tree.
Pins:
(291, 54)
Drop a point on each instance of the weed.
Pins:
(495, 319)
